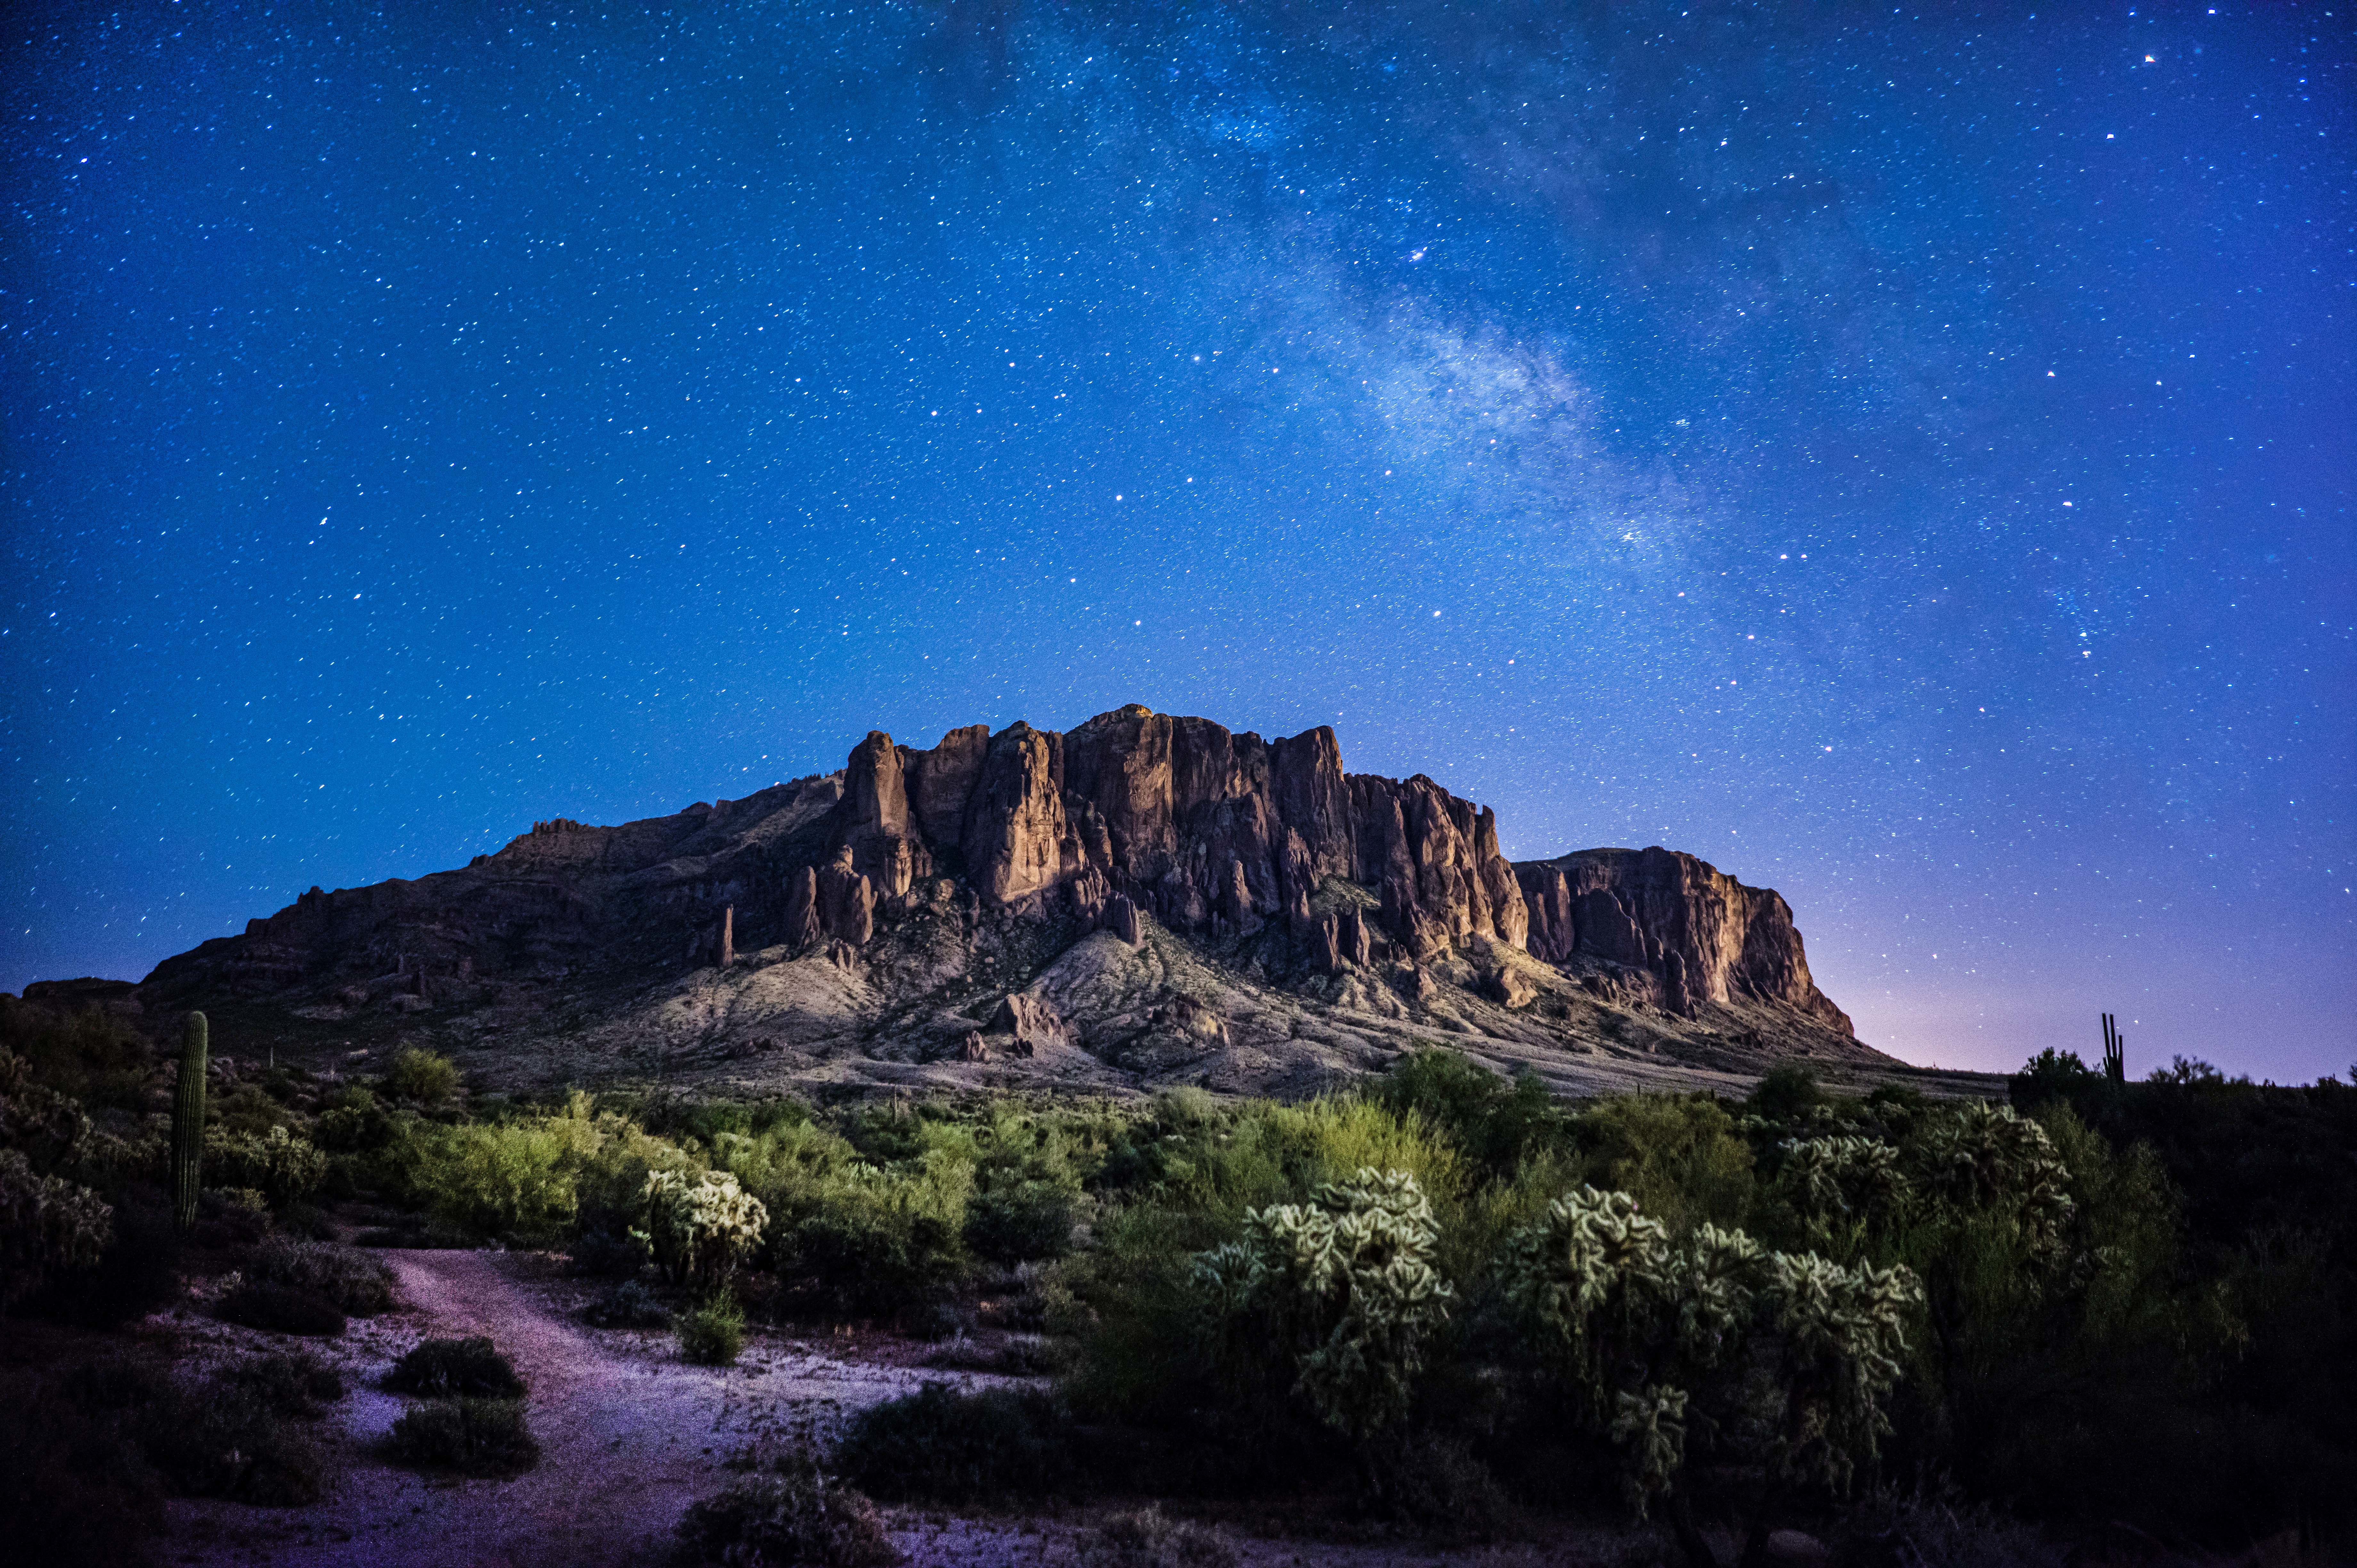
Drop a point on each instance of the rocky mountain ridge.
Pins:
(1140, 900)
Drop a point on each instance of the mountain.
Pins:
(1143, 899)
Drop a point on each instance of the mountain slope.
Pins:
(1144, 898)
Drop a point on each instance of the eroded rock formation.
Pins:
(915, 872)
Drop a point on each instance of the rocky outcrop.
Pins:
(1208, 828)
(1158, 845)
(1703, 935)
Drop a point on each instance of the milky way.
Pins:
(1902, 459)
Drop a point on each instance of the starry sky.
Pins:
(1902, 457)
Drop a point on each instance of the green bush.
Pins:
(354, 1122)
(282, 1310)
(1679, 1156)
(1021, 1224)
(438, 1369)
(1495, 1123)
(711, 1333)
(870, 1249)
(276, 1163)
(1885, 1529)
(138, 1271)
(50, 1227)
(1435, 1486)
(785, 1521)
(939, 1445)
(360, 1284)
(534, 1176)
(421, 1077)
(481, 1437)
(90, 1053)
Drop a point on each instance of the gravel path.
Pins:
(629, 1435)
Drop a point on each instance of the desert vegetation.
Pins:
(1439, 1300)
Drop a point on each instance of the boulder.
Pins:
(1029, 1022)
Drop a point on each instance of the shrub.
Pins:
(629, 1306)
(227, 1441)
(1882, 1530)
(1786, 1359)
(1677, 1155)
(785, 1521)
(425, 1078)
(701, 1226)
(438, 1369)
(355, 1123)
(49, 1227)
(1148, 1539)
(515, 1178)
(75, 1487)
(711, 1333)
(873, 1249)
(1021, 1224)
(1494, 1121)
(306, 1222)
(1787, 1095)
(1435, 1484)
(1343, 1288)
(289, 1385)
(139, 1271)
(276, 1163)
(282, 1310)
(939, 1445)
(483, 1437)
(351, 1279)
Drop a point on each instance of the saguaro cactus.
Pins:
(2115, 1055)
(188, 1123)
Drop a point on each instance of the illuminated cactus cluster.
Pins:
(1345, 1284)
(1652, 1337)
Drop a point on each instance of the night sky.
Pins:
(1903, 457)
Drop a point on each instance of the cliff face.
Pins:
(1700, 935)
(912, 875)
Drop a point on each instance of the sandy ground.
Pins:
(629, 1436)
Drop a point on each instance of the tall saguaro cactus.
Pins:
(188, 1123)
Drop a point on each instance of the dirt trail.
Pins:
(629, 1435)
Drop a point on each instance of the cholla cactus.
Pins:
(1843, 1180)
(699, 1226)
(1840, 1334)
(1656, 1339)
(1345, 1286)
(1983, 1157)
(47, 1224)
